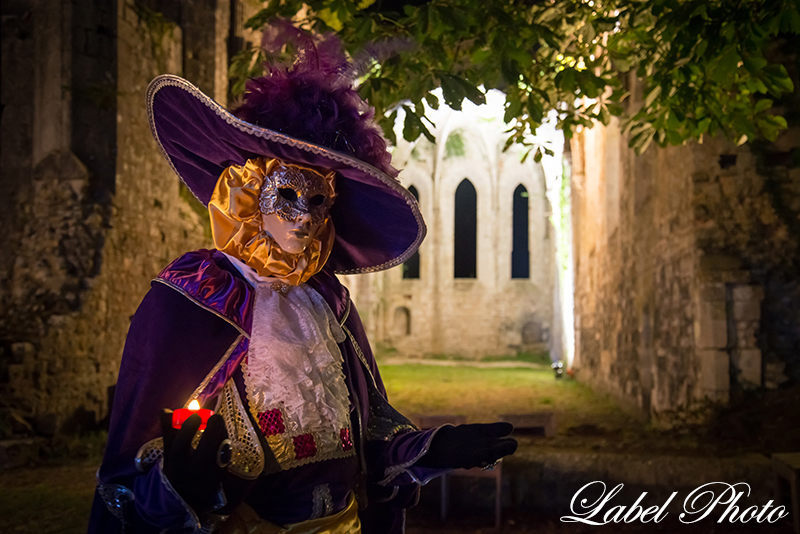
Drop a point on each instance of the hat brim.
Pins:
(378, 223)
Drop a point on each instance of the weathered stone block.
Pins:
(714, 374)
(748, 364)
(712, 262)
(16, 373)
(735, 277)
(22, 352)
(746, 334)
(729, 185)
(47, 424)
(752, 292)
(747, 310)
(774, 374)
(713, 292)
(711, 326)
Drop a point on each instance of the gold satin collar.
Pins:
(236, 226)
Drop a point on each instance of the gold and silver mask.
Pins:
(291, 191)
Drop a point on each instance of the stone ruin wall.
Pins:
(686, 268)
(80, 245)
(492, 314)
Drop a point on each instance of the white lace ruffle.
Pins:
(294, 363)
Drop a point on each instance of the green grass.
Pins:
(530, 357)
(482, 394)
(52, 499)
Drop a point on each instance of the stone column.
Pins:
(744, 320)
(206, 25)
(52, 21)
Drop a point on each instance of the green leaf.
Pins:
(455, 89)
(473, 93)
(566, 79)
(726, 66)
(644, 141)
(701, 49)
(535, 110)
(452, 91)
(388, 129)
(651, 96)
(779, 77)
(779, 121)
(411, 129)
(762, 105)
(702, 126)
(754, 64)
(513, 107)
(432, 100)
(673, 123)
(790, 21)
(587, 83)
(674, 138)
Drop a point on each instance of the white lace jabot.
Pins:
(293, 373)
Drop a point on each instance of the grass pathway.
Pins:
(483, 392)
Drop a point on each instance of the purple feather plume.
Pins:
(314, 99)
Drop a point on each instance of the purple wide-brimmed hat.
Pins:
(377, 221)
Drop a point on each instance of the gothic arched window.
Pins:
(520, 256)
(465, 235)
(411, 265)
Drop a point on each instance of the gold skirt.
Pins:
(245, 520)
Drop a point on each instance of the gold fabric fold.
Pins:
(245, 520)
(236, 227)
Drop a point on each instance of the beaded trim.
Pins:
(199, 390)
(117, 498)
(167, 80)
(357, 347)
(248, 456)
(149, 454)
(323, 501)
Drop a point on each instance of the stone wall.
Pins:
(491, 314)
(634, 270)
(685, 268)
(82, 246)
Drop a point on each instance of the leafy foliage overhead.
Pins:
(705, 66)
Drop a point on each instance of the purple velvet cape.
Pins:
(195, 310)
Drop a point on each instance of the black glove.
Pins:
(196, 473)
(469, 446)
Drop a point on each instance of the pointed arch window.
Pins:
(411, 265)
(520, 255)
(465, 235)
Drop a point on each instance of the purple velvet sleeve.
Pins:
(402, 453)
(171, 345)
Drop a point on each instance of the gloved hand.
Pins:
(196, 473)
(468, 446)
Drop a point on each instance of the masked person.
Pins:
(299, 187)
